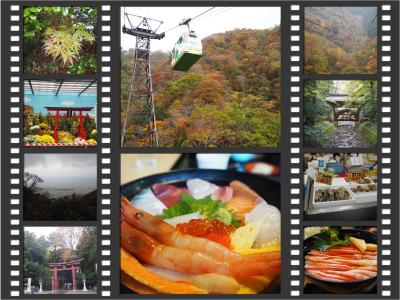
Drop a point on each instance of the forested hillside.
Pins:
(340, 40)
(230, 97)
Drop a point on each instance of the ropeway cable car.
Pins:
(186, 52)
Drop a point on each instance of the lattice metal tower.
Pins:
(139, 127)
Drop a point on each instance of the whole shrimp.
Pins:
(150, 251)
(168, 235)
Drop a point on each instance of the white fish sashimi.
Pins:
(200, 188)
(270, 232)
(147, 201)
(184, 218)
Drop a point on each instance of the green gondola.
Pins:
(186, 52)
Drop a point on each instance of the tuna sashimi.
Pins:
(168, 194)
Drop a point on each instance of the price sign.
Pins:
(372, 172)
(321, 163)
(356, 175)
(325, 177)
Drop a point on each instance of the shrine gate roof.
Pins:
(73, 262)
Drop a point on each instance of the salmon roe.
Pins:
(213, 230)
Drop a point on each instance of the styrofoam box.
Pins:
(364, 197)
(316, 205)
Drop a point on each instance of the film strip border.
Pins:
(388, 136)
(14, 95)
(387, 149)
(104, 88)
(15, 156)
(296, 69)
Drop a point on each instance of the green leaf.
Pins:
(64, 11)
(64, 44)
(206, 206)
(328, 239)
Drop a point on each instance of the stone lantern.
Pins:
(40, 285)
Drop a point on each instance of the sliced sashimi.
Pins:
(350, 276)
(240, 206)
(168, 194)
(322, 275)
(200, 189)
(243, 191)
(326, 267)
(224, 194)
(147, 201)
(344, 263)
(270, 232)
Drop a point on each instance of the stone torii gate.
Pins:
(69, 112)
(64, 266)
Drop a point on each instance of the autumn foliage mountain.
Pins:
(340, 40)
(230, 97)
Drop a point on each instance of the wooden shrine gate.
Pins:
(55, 268)
(80, 113)
(346, 115)
(337, 101)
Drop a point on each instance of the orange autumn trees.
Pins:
(230, 97)
(340, 40)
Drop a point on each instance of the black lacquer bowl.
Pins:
(268, 187)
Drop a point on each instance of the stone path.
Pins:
(347, 136)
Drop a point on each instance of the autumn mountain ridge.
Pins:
(230, 97)
(340, 40)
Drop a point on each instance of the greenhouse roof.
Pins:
(61, 86)
(68, 108)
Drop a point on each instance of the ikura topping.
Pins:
(213, 230)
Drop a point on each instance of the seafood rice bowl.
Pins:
(201, 238)
(341, 260)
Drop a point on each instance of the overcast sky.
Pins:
(41, 231)
(45, 231)
(64, 174)
(219, 19)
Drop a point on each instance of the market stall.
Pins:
(338, 184)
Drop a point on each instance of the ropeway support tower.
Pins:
(139, 125)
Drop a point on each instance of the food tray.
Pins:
(364, 197)
(317, 205)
